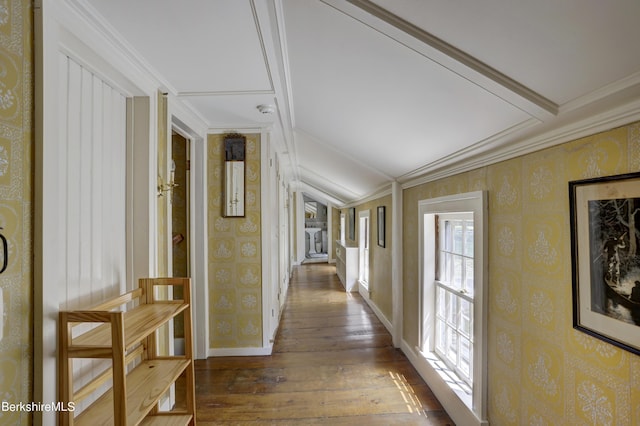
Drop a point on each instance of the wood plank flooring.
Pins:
(333, 363)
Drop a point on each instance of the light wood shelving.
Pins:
(140, 377)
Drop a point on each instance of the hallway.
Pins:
(333, 363)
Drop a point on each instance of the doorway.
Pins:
(180, 223)
(315, 229)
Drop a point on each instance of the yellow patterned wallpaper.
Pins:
(335, 229)
(379, 257)
(541, 370)
(180, 207)
(16, 177)
(235, 269)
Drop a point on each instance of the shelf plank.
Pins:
(167, 420)
(139, 322)
(145, 385)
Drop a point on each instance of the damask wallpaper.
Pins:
(235, 269)
(16, 179)
(541, 370)
(179, 207)
(335, 229)
(380, 257)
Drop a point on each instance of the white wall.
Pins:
(91, 187)
(85, 171)
(95, 191)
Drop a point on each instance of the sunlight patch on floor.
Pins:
(408, 395)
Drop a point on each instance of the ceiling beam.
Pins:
(448, 56)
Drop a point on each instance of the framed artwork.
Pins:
(352, 223)
(234, 173)
(605, 255)
(381, 225)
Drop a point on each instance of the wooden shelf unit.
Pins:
(140, 376)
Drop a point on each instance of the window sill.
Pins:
(457, 385)
(454, 395)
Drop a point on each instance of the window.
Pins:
(363, 245)
(453, 297)
(454, 293)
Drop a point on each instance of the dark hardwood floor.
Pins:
(333, 363)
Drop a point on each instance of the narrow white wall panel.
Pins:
(92, 194)
(58, 243)
(94, 141)
(120, 216)
(72, 185)
(108, 186)
(86, 285)
(97, 184)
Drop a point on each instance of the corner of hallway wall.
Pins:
(335, 230)
(380, 270)
(541, 370)
(16, 206)
(235, 268)
(162, 238)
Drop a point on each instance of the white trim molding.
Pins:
(463, 408)
(218, 352)
(451, 401)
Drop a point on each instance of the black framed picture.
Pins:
(605, 253)
(352, 223)
(381, 225)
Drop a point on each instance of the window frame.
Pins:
(474, 397)
(445, 247)
(364, 247)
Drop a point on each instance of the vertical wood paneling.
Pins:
(91, 190)
(93, 143)
(85, 215)
(98, 241)
(109, 188)
(119, 189)
(59, 242)
(72, 184)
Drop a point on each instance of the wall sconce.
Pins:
(166, 187)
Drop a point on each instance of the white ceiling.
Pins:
(368, 92)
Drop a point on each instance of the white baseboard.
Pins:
(213, 352)
(364, 292)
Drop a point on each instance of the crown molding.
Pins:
(305, 172)
(227, 93)
(184, 112)
(234, 129)
(383, 191)
(263, 47)
(316, 192)
(338, 150)
(609, 90)
(456, 164)
(500, 139)
(109, 37)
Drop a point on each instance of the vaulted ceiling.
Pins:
(370, 92)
